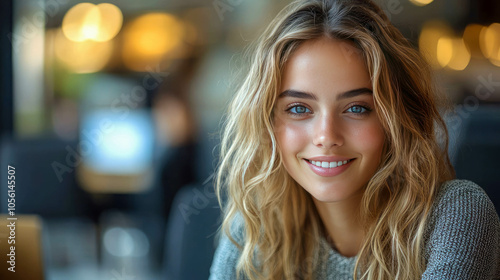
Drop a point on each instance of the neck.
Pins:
(342, 224)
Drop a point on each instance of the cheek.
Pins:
(291, 137)
(370, 139)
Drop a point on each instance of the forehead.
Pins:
(325, 64)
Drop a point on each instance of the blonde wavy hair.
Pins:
(282, 230)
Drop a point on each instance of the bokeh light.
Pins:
(444, 51)
(471, 39)
(126, 242)
(82, 57)
(87, 21)
(490, 43)
(460, 57)
(434, 32)
(421, 2)
(149, 38)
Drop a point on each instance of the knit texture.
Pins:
(462, 241)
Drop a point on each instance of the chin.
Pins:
(331, 195)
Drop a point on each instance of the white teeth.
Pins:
(333, 164)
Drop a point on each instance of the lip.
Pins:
(329, 172)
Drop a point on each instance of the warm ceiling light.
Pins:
(444, 51)
(82, 57)
(421, 2)
(460, 56)
(430, 36)
(490, 43)
(149, 38)
(87, 21)
(111, 22)
(471, 39)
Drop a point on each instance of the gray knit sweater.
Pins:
(462, 241)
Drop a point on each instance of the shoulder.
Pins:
(463, 234)
(463, 203)
(458, 188)
(227, 254)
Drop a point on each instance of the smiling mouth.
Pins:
(329, 164)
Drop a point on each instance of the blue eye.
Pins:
(299, 110)
(356, 109)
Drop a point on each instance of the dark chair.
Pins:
(46, 185)
(477, 152)
(45, 182)
(191, 233)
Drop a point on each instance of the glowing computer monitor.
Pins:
(116, 151)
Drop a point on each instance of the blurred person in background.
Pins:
(176, 128)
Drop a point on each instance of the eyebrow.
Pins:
(354, 92)
(307, 95)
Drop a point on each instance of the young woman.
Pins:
(331, 165)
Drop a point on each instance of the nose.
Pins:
(327, 132)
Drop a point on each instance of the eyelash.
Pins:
(294, 106)
(367, 109)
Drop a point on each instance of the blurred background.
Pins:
(109, 113)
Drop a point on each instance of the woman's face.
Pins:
(325, 122)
